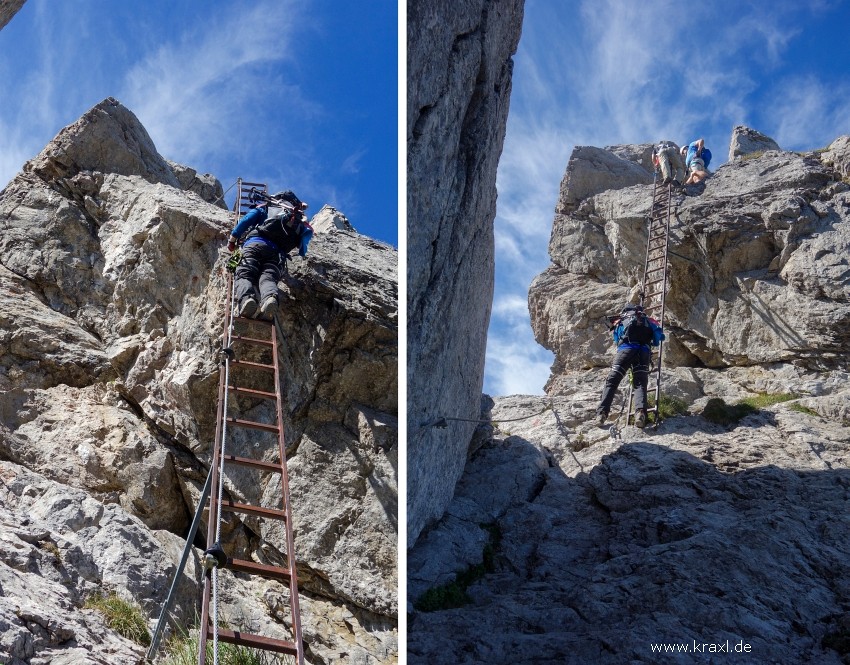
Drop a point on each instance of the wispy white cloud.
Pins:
(218, 71)
(808, 113)
(516, 366)
(351, 164)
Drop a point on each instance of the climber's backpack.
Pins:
(636, 328)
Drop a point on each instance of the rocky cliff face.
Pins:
(8, 9)
(112, 299)
(459, 83)
(578, 544)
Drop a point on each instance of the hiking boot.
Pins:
(640, 419)
(247, 308)
(601, 418)
(268, 308)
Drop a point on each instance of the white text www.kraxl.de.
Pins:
(702, 647)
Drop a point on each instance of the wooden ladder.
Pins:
(245, 338)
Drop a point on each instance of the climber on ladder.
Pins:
(667, 158)
(268, 241)
(634, 332)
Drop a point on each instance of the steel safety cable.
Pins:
(228, 344)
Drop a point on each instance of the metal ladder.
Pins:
(240, 337)
(214, 556)
(653, 290)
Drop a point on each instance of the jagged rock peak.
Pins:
(112, 289)
(8, 9)
(108, 138)
(837, 156)
(745, 141)
(593, 170)
(330, 219)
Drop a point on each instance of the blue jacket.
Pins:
(249, 220)
(257, 216)
(692, 152)
(657, 336)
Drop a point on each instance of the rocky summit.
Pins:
(112, 293)
(721, 535)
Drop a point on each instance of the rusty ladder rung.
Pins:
(252, 340)
(271, 467)
(250, 424)
(256, 641)
(247, 509)
(250, 365)
(261, 569)
(252, 393)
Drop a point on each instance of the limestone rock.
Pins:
(459, 83)
(746, 141)
(594, 170)
(115, 141)
(112, 296)
(755, 269)
(600, 546)
(328, 219)
(206, 186)
(580, 544)
(837, 155)
(8, 10)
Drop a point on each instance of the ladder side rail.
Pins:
(657, 200)
(214, 468)
(214, 514)
(661, 320)
(284, 477)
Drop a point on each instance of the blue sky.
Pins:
(301, 94)
(603, 72)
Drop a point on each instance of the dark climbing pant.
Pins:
(259, 269)
(638, 361)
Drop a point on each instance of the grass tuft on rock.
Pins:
(721, 413)
(124, 617)
(803, 409)
(182, 649)
(453, 595)
(668, 407)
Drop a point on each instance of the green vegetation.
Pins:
(50, 546)
(752, 155)
(721, 413)
(669, 406)
(123, 617)
(803, 409)
(182, 649)
(764, 400)
(453, 594)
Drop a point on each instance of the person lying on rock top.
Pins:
(268, 241)
(634, 332)
(697, 158)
